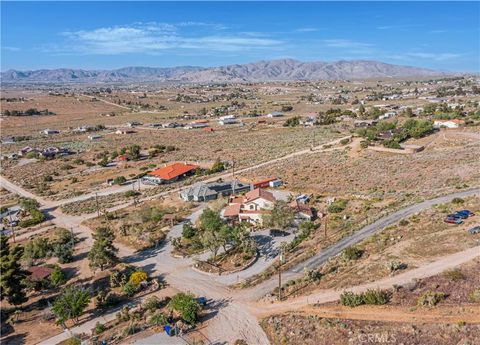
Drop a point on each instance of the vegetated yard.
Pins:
(145, 225)
(411, 243)
(294, 329)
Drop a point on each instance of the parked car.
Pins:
(278, 233)
(455, 216)
(461, 215)
(453, 220)
(303, 198)
(201, 300)
(474, 230)
(468, 213)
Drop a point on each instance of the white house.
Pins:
(387, 115)
(275, 114)
(455, 123)
(49, 131)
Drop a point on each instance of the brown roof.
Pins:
(232, 210)
(259, 193)
(301, 207)
(39, 272)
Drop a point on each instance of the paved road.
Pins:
(358, 236)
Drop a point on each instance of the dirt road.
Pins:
(337, 248)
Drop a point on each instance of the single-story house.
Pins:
(455, 123)
(387, 115)
(302, 211)
(169, 173)
(209, 191)
(49, 131)
(275, 114)
(227, 121)
(124, 131)
(364, 123)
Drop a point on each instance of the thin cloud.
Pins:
(11, 49)
(307, 30)
(345, 43)
(154, 38)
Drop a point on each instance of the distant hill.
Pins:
(273, 70)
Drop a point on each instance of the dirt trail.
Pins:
(324, 296)
(470, 314)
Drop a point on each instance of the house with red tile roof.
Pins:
(250, 208)
(169, 173)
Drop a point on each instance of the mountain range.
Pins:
(272, 70)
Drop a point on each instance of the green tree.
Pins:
(103, 253)
(186, 305)
(134, 152)
(281, 216)
(71, 304)
(12, 286)
(188, 231)
(63, 252)
(29, 204)
(218, 166)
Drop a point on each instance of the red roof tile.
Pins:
(173, 170)
(232, 210)
(259, 193)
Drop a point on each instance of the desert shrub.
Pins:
(138, 277)
(57, 277)
(475, 295)
(454, 274)
(131, 329)
(188, 231)
(338, 206)
(352, 253)
(152, 303)
(364, 144)
(130, 289)
(72, 341)
(431, 298)
(457, 201)
(131, 193)
(186, 305)
(351, 299)
(157, 319)
(376, 297)
(99, 328)
(394, 266)
(119, 180)
(403, 222)
(344, 141)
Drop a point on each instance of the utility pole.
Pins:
(280, 260)
(326, 222)
(96, 202)
(73, 242)
(233, 176)
(12, 227)
(313, 138)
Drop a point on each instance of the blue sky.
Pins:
(108, 35)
